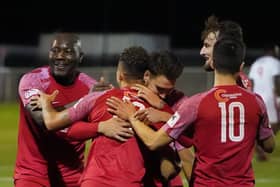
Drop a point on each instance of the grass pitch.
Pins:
(267, 173)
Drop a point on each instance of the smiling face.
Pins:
(207, 50)
(64, 55)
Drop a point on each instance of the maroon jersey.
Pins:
(226, 120)
(110, 162)
(47, 156)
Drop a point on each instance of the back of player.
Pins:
(110, 162)
(229, 118)
(226, 120)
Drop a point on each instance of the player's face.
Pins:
(207, 50)
(160, 85)
(64, 57)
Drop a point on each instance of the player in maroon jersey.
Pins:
(226, 120)
(48, 158)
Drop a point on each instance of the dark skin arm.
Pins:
(268, 144)
(55, 120)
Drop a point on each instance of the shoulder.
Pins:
(36, 76)
(86, 78)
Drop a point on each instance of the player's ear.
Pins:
(119, 75)
(242, 66)
(212, 64)
(81, 57)
(147, 76)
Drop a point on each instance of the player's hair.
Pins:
(230, 29)
(211, 25)
(222, 29)
(165, 63)
(228, 55)
(134, 62)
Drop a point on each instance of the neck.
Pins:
(123, 84)
(66, 80)
(224, 79)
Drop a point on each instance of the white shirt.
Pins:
(262, 72)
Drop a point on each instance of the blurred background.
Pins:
(106, 28)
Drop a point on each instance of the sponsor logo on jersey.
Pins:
(173, 120)
(221, 95)
(30, 93)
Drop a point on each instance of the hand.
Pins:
(42, 99)
(101, 85)
(116, 128)
(149, 96)
(151, 115)
(123, 109)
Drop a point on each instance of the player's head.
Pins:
(163, 71)
(65, 54)
(212, 32)
(133, 62)
(272, 49)
(228, 55)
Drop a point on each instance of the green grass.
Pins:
(267, 173)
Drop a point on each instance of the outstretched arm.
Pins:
(152, 139)
(53, 119)
(115, 128)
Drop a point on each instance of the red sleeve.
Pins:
(82, 131)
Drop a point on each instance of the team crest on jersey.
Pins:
(30, 93)
(173, 120)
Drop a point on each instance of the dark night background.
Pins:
(181, 20)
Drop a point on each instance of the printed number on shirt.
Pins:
(227, 121)
(139, 105)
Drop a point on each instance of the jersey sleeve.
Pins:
(185, 115)
(87, 80)
(83, 107)
(82, 130)
(29, 86)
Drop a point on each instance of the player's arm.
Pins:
(187, 158)
(268, 144)
(169, 163)
(147, 94)
(113, 128)
(152, 139)
(53, 119)
(151, 115)
(36, 114)
(265, 137)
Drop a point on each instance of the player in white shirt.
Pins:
(263, 73)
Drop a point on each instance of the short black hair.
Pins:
(228, 55)
(165, 63)
(134, 61)
(230, 28)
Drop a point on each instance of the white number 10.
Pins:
(229, 114)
